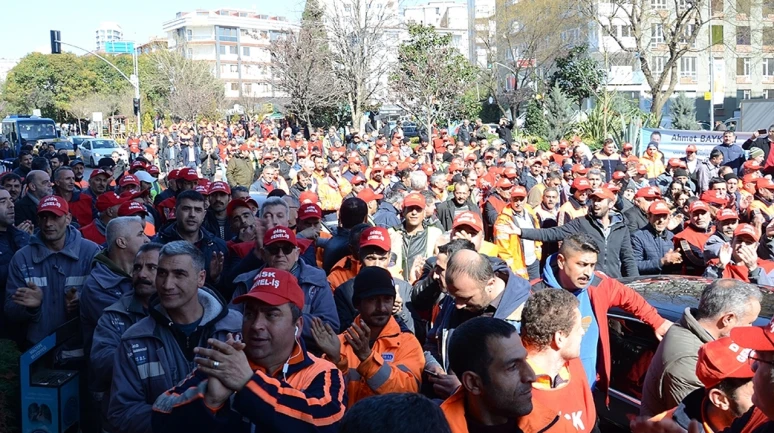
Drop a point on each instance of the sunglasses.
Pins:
(275, 249)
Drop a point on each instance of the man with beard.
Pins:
(457, 204)
(726, 221)
(38, 186)
(265, 382)
(13, 184)
(572, 269)
(239, 170)
(78, 168)
(189, 209)
(216, 221)
(637, 216)
(412, 239)
(186, 179)
(723, 305)
(496, 393)
(302, 184)
(739, 259)
(495, 204)
(577, 203)
(12, 239)
(119, 317)
(45, 296)
(653, 246)
(353, 168)
(606, 227)
(691, 240)
(81, 205)
(521, 255)
(386, 357)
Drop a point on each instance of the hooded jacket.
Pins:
(605, 293)
(103, 287)
(672, 372)
(386, 215)
(208, 244)
(318, 297)
(150, 359)
(512, 301)
(615, 250)
(54, 272)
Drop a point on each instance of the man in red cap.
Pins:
(521, 255)
(134, 208)
(128, 182)
(359, 184)
(411, 239)
(372, 201)
(690, 241)
(216, 221)
(243, 223)
(739, 259)
(637, 215)
(81, 205)
(43, 297)
(653, 245)
(763, 199)
(240, 170)
(495, 204)
(171, 187)
(469, 226)
(725, 371)
(726, 221)
(265, 382)
(186, 179)
(107, 208)
(281, 251)
(353, 168)
(309, 222)
(577, 204)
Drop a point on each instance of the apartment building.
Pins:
(447, 17)
(236, 42)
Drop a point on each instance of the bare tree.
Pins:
(190, 88)
(667, 33)
(361, 36)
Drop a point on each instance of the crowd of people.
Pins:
(252, 277)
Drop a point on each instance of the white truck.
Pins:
(755, 114)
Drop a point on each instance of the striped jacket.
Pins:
(309, 398)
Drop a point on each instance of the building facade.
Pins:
(236, 42)
(447, 17)
(108, 31)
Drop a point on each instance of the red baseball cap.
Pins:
(470, 219)
(746, 230)
(518, 191)
(131, 208)
(641, 169)
(618, 175)
(698, 205)
(510, 173)
(690, 148)
(188, 174)
(723, 359)
(309, 210)
(279, 234)
(107, 200)
(54, 204)
(726, 214)
(659, 207)
(153, 170)
(357, 180)
(240, 202)
(174, 174)
(471, 157)
(764, 183)
(99, 172)
(354, 160)
(714, 197)
(503, 183)
(648, 192)
(752, 165)
(603, 193)
(612, 187)
(376, 237)
(137, 165)
(308, 197)
(581, 184)
(579, 169)
(414, 199)
(367, 194)
(274, 287)
(129, 179)
(220, 187)
(203, 190)
(675, 162)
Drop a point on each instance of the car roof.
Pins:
(672, 294)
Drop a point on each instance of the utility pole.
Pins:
(711, 69)
(134, 80)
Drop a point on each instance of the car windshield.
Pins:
(63, 145)
(103, 144)
(32, 130)
(77, 140)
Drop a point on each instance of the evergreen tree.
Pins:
(559, 114)
(683, 112)
(535, 121)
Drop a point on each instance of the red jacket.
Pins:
(82, 208)
(92, 233)
(606, 293)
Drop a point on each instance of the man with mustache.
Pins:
(117, 318)
(572, 269)
(377, 353)
(216, 221)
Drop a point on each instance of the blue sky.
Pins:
(24, 30)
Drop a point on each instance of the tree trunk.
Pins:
(658, 106)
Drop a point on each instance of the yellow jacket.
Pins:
(330, 197)
(510, 246)
(654, 164)
(395, 364)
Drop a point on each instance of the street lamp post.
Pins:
(134, 79)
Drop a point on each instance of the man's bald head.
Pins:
(38, 183)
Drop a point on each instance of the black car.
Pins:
(633, 343)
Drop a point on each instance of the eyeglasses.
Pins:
(754, 358)
(275, 249)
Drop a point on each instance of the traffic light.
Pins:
(56, 47)
(136, 106)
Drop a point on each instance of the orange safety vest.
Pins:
(510, 246)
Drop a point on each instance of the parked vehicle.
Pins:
(755, 114)
(23, 130)
(94, 149)
(633, 343)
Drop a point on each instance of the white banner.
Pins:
(673, 141)
(718, 81)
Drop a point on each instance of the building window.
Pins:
(656, 33)
(743, 94)
(246, 51)
(684, 4)
(657, 64)
(234, 86)
(768, 67)
(222, 50)
(190, 53)
(232, 49)
(688, 67)
(768, 93)
(626, 31)
(743, 67)
(228, 34)
(743, 35)
(188, 35)
(717, 35)
(248, 88)
(658, 4)
(768, 36)
(687, 33)
(233, 69)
